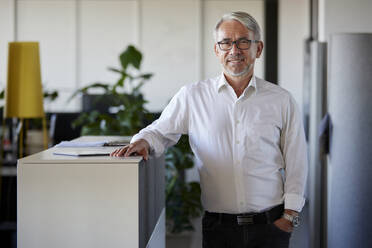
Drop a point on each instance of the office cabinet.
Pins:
(68, 201)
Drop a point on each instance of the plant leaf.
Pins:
(145, 76)
(2, 94)
(85, 89)
(131, 56)
(120, 82)
(115, 70)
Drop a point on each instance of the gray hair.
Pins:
(244, 18)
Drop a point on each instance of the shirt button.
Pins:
(237, 121)
(237, 142)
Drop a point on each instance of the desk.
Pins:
(90, 202)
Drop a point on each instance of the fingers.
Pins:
(284, 225)
(132, 148)
(136, 148)
(145, 154)
(119, 152)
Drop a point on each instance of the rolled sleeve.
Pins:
(294, 149)
(294, 202)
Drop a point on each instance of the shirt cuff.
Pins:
(155, 148)
(294, 202)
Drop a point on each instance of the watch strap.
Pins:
(288, 217)
(294, 219)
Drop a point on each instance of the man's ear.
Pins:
(216, 51)
(260, 47)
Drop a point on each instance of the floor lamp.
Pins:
(23, 94)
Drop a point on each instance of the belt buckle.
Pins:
(245, 219)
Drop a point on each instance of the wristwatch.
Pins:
(294, 219)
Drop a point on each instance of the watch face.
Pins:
(296, 221)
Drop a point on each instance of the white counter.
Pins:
(66, 201)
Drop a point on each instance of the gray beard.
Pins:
(240, 74)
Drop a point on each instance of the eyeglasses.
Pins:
(242, 44)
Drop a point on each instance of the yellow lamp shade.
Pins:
(23, 94)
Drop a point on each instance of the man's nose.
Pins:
(234, 49)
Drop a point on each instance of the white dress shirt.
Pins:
(242, 145)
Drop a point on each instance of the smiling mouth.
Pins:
(235, 60)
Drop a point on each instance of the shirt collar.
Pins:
(222, 83)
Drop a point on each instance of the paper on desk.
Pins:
(81, 144)
(82, 153)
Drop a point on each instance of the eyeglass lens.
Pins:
(241, 44)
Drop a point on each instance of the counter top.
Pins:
(47, 156)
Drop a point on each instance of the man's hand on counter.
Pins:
(140, 147)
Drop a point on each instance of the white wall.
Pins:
(294, 29)
(170, 41)
(7, 35)
(343, 16)
(79, 39)
(52, 24)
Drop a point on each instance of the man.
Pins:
(248, 141)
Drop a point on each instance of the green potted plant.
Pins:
(182, 197)
(125, 96)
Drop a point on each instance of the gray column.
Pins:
(350, 160)
(317, 167)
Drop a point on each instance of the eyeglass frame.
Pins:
(236, 43)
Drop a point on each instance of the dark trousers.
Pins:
(220, 233)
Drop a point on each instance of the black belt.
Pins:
(250, 218)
